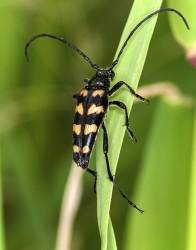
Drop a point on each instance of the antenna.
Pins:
(63, 41)
(138, 25)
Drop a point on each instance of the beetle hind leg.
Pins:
(94, 173)
(105, 151)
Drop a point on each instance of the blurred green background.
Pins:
(37, 111)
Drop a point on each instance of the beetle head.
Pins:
(102, 79)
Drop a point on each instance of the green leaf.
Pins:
(163, 183)
(1, 213)
(186, 38)
(111, 237)
(191, 243)
(129, 70)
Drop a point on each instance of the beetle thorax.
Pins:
(101, 80)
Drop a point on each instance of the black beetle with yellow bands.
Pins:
(93, 103)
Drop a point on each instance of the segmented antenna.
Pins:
(138, 25)
(63, 41)
(115, 62)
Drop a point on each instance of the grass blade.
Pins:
(164, 180)
(191, 243)
(129, 69)
(111, 237)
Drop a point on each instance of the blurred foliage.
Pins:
(37, 110)
(165, 179)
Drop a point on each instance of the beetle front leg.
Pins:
(105, 151)
(119, 84)
(123, 106)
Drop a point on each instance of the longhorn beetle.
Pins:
(92, 106)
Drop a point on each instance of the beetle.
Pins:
(92, 106)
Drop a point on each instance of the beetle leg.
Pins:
(123, 106)
(86, 80)
(105, 151)
(119, 84)
(94, 173)
(75, 96)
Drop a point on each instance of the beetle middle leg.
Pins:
(123, 106)
(105, 151)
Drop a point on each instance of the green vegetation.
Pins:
(37, 110)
